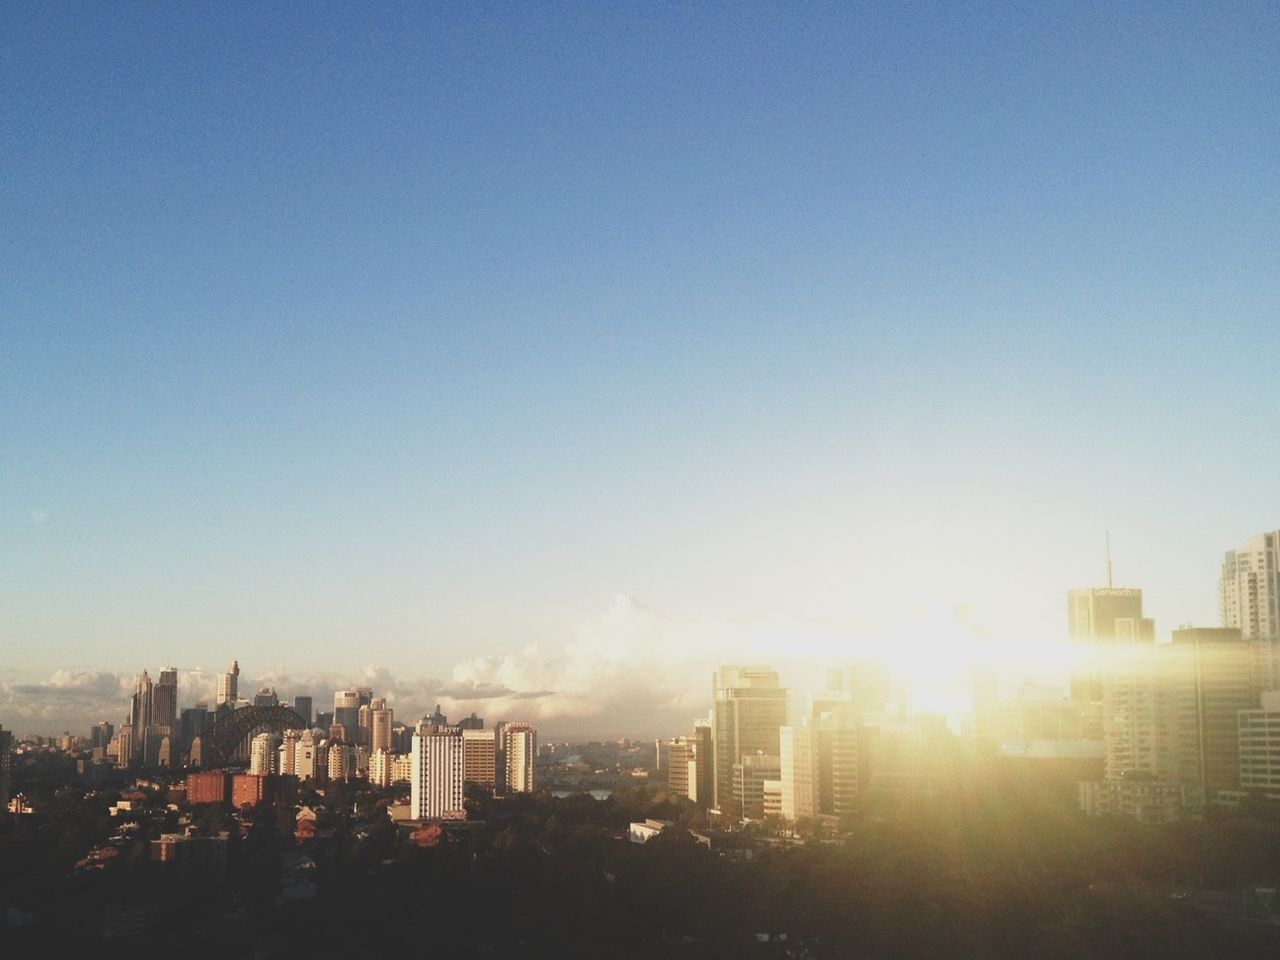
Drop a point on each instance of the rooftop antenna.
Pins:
(1108, 559)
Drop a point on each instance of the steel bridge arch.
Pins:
(226, 741)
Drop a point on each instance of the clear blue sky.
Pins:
(408, 334)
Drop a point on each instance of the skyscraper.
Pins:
(262, 753)
(6, 783)
(346, 712)
(1249, 600)
(1222, 687)
(140, 707)
(302, 707)
(520, 750)
(436, 781)
(229, 685)
(1093, 614)
(480, 753)
(164, 709)
(380, 717)
(748, 709)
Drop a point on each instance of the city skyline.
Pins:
(943, 685)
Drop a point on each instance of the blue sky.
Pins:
(416, 334)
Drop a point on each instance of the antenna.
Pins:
(1108, 559)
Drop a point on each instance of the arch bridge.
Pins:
(227, 741)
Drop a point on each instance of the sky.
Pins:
(539, 356)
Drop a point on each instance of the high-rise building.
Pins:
(1249, 600)
(479, 752)
(1222, 686)
(302, 707)
(1092, 616)
(818, 760)
(1170, 715)
(381, 768)
(702, 775)
(193, 723)
(287, 754)
(262, 753)
(748, 709)
(677, 761)
(304, 756)
(346, 712)
(140, 708)
(436, 782)
(6, 767)
(341, 761)
(164, 708)
(380, 719)
(266, 697)
(749, 777)
(520, 751)
(472, 722)
(100, 736)
(229, 685)
(1259, 740)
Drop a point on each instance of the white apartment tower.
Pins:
(520, 747)
(262, 754)
(1249, 600)
(436, 774)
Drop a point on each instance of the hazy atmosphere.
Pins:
(536, 358)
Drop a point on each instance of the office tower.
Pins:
(1249, 600)
(472, 722)
(304, 756)
(302, 707)
(520, 751)
(479, 757)
(140, 707)
(6, 767)
(164, 708)
(401, 737)
(324, 720)
(870, 686)
(798, 774)
(436, 718)
(436, 780)
(262, 753)
(1259, 744)
(1222, 687)
(748, 709)
(1092, 615)
(702, 776)
(749, 777)
(229, 686)
(380, 718)
(346, 712)
(266, 697)
(101, 735)
(676, 763)
(193, 723)
(818, 760)
(364, 723)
